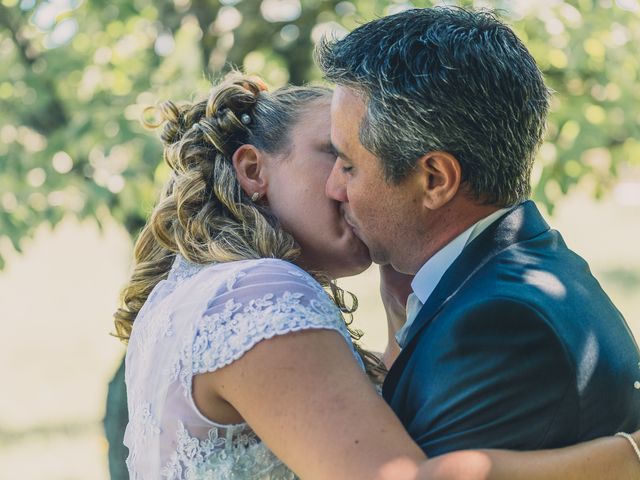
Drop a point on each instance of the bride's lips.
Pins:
(346, 219)
(356, 237)
(354, 229)
(350, 223)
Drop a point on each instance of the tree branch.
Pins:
(53, 116)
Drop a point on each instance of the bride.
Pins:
(240, 365)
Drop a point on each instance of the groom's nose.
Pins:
(335, 187)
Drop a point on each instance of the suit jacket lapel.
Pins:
(521, 223)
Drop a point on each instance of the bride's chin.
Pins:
(361, 250)
(358, 261)
(344, 271)
(352, 259)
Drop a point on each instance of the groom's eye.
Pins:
(344, 167)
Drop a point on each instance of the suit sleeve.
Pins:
(492, 375)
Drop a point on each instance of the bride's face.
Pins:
(296, 195)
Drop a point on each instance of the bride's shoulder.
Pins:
(254, 300)
(266, 265)
(183, 270)
(243, 281)
(273, 271)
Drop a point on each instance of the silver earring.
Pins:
(256, 196)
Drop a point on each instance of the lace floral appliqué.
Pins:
(192, 325)
(237, 455)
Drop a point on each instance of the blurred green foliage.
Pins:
(76, 75)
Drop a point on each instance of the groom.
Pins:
(510, 341)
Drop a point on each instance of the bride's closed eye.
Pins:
(329, 151)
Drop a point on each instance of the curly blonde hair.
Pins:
(202, 212)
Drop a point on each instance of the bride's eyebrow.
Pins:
(328, 148)
(338, 153)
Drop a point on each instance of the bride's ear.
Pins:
(249, 164)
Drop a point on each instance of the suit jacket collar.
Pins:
(519, 224)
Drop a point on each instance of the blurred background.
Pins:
(78, 174)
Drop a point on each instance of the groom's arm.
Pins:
(488, 375)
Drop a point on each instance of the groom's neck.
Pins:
(448, 222)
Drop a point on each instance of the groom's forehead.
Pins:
(347, 98)
(347, 111)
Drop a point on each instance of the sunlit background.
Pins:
(78, 174)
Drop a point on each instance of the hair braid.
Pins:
(202, 212)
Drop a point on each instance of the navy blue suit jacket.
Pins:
(518, 347)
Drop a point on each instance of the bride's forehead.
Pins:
(313, 125)
(316, 112)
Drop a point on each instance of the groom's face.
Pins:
(383, 215)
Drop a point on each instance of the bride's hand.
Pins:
(395, 287)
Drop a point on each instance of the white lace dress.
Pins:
(198, 320)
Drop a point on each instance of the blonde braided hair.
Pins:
(202, 212)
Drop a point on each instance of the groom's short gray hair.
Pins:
(446, 79)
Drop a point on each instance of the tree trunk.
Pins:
(115, 421)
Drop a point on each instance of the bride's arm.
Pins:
(605, 458)
(307, 399)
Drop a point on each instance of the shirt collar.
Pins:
(430, 274)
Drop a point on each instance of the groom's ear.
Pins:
(441, 176)
(249, 164)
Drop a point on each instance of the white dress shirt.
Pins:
(430, 274)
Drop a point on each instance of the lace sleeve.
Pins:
(259, 300)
